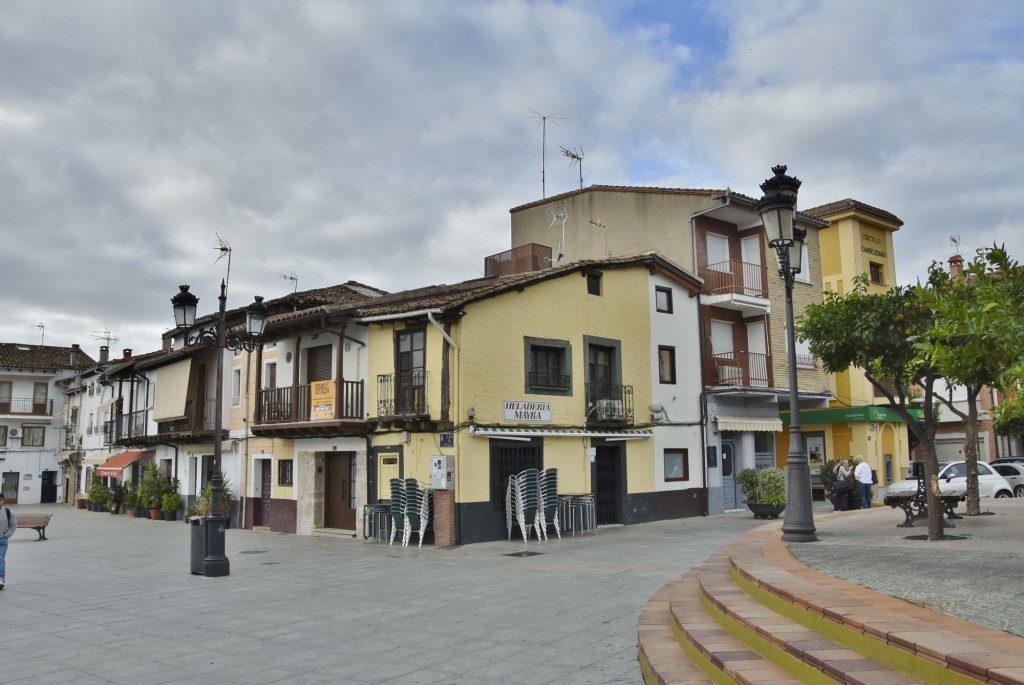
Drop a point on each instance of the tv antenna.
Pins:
(559, 216)
(291, 276)
(106, 336)
(575, 156)
(225, 251)
(42, 332)
(542, 123)
(954, 240)
(598, 223)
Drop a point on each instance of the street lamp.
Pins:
(216, 563)
(777, 208)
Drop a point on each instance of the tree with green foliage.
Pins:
(876, 332)
(974, 336)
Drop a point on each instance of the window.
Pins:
(236, 387)
(548, 366)
(284, 472)
(270, 375)
(3, 436)
(805, 265)
(594, 283)
(39, 397)
(666, 364)
(663, 299)
(677, 465)
(33, 436)
(5, 397)
(410, 374)
(876, 273)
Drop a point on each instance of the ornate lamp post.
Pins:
(777, 208)
(217, 337)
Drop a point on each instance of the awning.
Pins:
(527, 433)
(768, 424)
(872, 413)
(116, 466)
(171, 390)
(97, 458)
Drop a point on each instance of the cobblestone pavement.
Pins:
(978, 575)
(109, 599)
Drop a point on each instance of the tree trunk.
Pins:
(971, 452)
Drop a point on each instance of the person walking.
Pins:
(862, 473)
(8, 524)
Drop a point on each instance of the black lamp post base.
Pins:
(216, 564)
(799, 535)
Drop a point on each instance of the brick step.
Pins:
(799, 649)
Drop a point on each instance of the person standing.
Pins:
(862, 473)
(841, 477)
(8, 524)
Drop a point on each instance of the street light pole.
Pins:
(778, 214)
(216, 563)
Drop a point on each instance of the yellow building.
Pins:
(859, 240)
(586, 368)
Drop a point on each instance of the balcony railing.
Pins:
(287, 405)
(609, 404)
(133, 425)
(549, 379)
(748, 369)
(522, 259)
(402, 394)
(735, 277)
(26, 407)
(197, 418)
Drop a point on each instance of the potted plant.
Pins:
(98, 495)
(131, 499)
(228, 497)
(115, 498)
(152, 490)
(171, 502)
(764, 490)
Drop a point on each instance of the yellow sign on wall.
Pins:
(321, 396)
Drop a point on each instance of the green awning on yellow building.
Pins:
(866, 414)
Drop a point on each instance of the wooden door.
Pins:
(339, 491)
(265, 484)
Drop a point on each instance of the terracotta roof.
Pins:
(621, 189)
(342, 293)
(848, 205)
(19, 356)
(456, 295)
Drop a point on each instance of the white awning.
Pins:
(527, 433)
(171, 390)
(97, 458)
(768, 424)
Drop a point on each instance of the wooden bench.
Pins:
(36, 522)
(915, 506)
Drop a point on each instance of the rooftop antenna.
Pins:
(106, 336)
(225, 251)
(598, 223)
(42, 332)
(291, 276)
(575, 156)
(559, 216)
(542, 123)
(954, 240)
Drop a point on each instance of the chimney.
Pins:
(104, 354)
(76, 355)
(956, 266)
(127, 353)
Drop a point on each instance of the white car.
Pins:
(1014, 475)
(953, 479)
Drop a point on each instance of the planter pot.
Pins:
(766, 511)
(81, 503)
(141, 513)
(171, 515)
(154, 514)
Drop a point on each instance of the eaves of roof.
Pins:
(620, 189)
(850, 205)
(24, 356)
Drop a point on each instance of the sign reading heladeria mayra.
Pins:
(519, 410)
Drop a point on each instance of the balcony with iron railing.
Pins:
(735, 284)
(609, 404)
(294, 403)
(550, 380)
(21, 406)
(132, 426)
(402, 394)
(743, 369)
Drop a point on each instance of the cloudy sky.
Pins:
(386, 141)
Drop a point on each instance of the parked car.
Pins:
(953, 478)
(1008, 460)
(1014, 475)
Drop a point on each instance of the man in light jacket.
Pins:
(862, 473)
(8, 524)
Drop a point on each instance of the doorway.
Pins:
(340, 490)
(48, 485)
(265, 484)
(10, 486)
(728, 474)
(609, 484)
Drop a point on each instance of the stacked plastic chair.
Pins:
(418, 502)
(548, 504)
(397, 508)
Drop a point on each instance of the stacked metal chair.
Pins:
(397, 508)
(418, 505)
(522, 503)
(548, 509)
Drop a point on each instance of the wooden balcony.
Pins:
(292, 411)
(735, 277)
